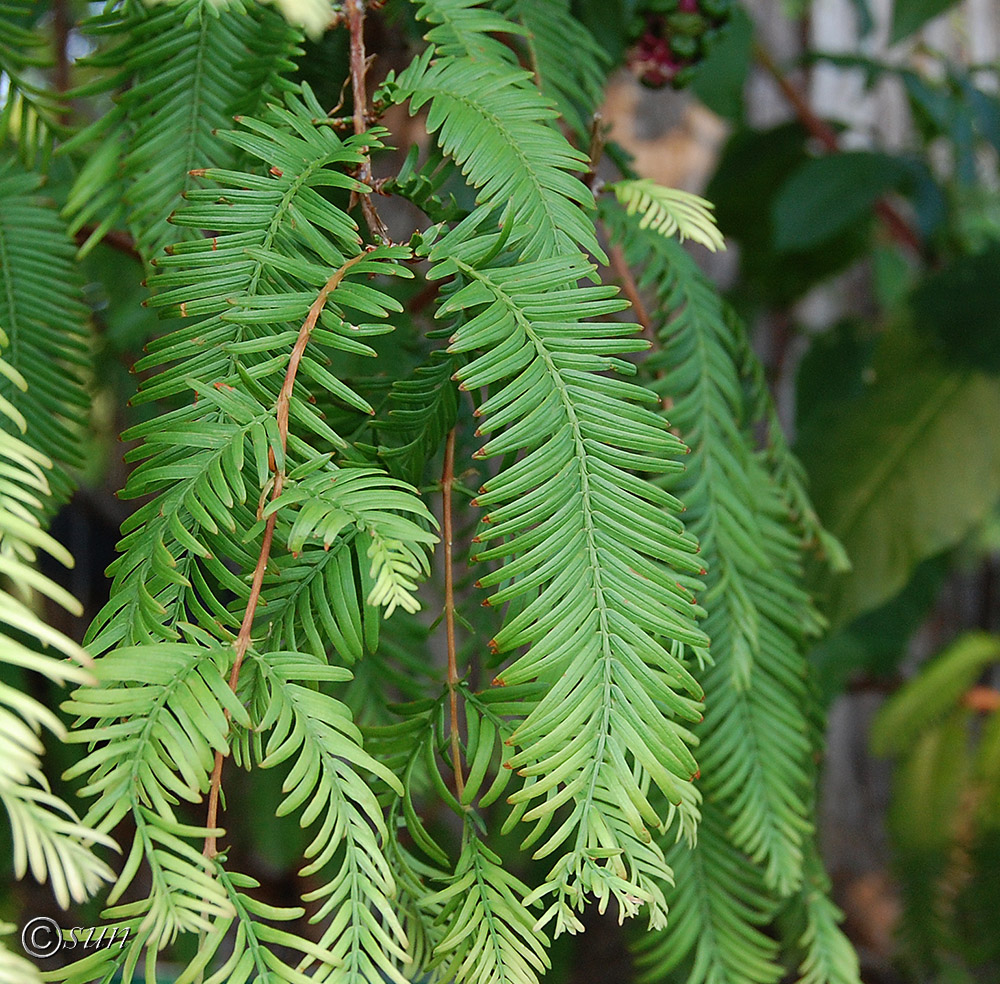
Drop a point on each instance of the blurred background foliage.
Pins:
(851, 150)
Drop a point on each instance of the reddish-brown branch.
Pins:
(897, 226)
(354, 11)
(115, 239)
(447, 486)
(61, 26)
(242, 643)
(630, 289)
(598, 135)
(985, 700)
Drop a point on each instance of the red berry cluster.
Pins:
(672, 36)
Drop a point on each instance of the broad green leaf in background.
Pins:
(909, 16)
(959, 307)
(719, 80)
(833, 370)
(753, 166)
(903, 472)
(753, 170)
(825, 195)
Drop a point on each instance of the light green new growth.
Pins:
(669, 211)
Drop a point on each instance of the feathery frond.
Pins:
(719, 909)
(759, 617)
(49, 840)
(490, 935)
(316, 731)
(575, 531)
(248, 290)
(180, 71)
(153, 725)
(670, 210)
(465, 28)
(29, 116)
(329, 500)
(422, 408)
(14, 969)
(284, 515)
(493, 123)
(285, 267)
(44, 320)
(826, 955)
(569, 65)
(571, 520)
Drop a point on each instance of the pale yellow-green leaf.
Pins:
(670, 211)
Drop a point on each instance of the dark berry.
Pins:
(670, 37)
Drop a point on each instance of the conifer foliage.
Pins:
(623, 687)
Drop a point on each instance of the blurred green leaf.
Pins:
(719, 80)
(903, 472)
(893, 275)
(929, 782)
(827, 194)
(978, 903)
(608, 22)
(833, 369)
(959, 307)
(986, 106)
(755, 165)
(987, 767)
(933, 693)
(909, 16)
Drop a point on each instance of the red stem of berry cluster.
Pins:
(242, 643)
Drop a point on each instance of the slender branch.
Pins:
(355, 13)
(447, 484)
(598, 137)
(61, 25)
(242, 643)
(115, 239)
(816, 126)
(619, 265)
(631, 290)
(985, 700)
(898, 227)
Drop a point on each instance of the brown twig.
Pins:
(897, 226)
(985, 700)
(355, 13)
(631, 290)
(447, 484)
(242, 643)
(598, 136)
(61, 25)
(426, 295)
(117, 240)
